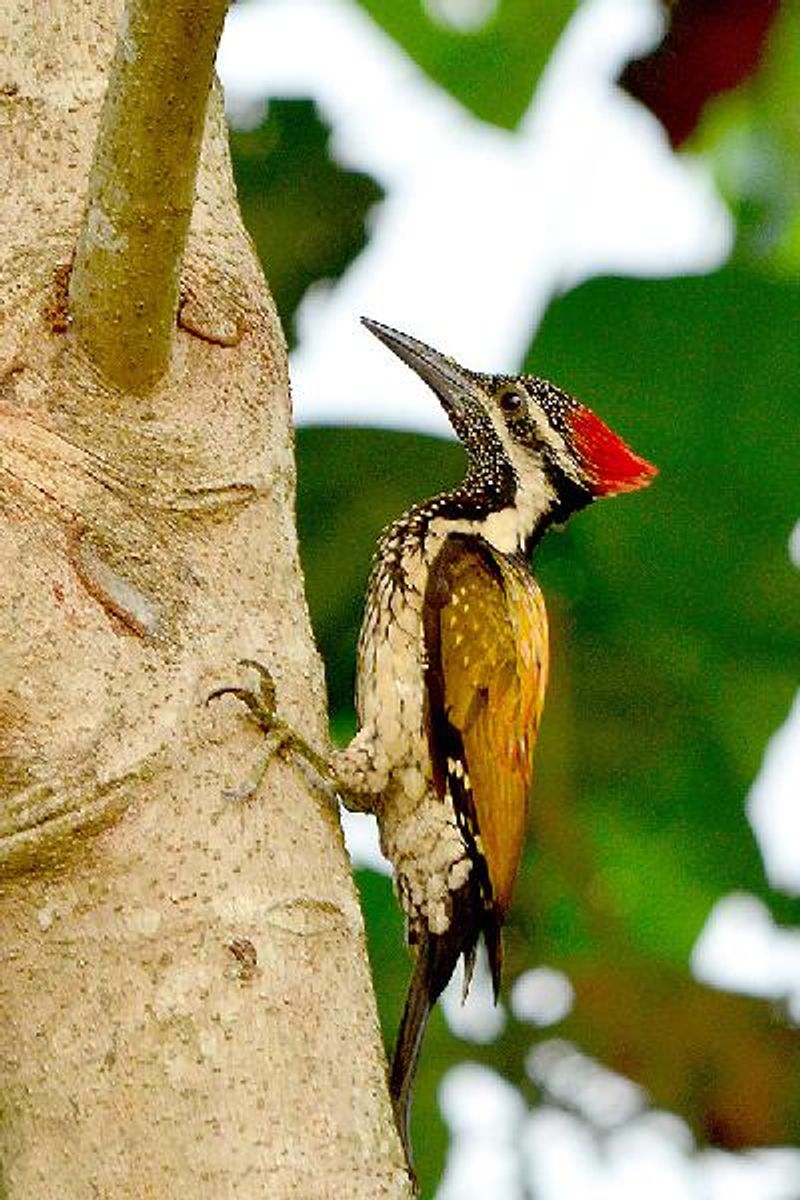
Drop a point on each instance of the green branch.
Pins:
(124, 286)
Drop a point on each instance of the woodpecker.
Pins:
(452, 667)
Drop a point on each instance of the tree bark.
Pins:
(185, 1002)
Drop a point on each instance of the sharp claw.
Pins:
(266, 684)
(281, 737)
(226, 691)
(263, 671)
(260, 702)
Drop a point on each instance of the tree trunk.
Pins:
(185, 1001)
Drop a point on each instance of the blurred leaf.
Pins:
(675, 660)
(489, 54)
(708, 49)
(305, 212)
(684, 641)
(752, 138)
(719, 1060)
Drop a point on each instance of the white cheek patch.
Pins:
(509, 529)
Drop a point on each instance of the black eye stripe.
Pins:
(555, 404)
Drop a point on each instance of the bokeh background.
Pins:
(605, 193)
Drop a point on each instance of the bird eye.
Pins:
(510, 400)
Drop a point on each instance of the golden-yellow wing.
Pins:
(486, 641)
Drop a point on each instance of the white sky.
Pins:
(479, 226)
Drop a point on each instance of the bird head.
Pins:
(525, 438)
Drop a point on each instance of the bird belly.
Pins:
(419, 833)
(420, 837)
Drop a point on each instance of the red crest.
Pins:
(610, 464)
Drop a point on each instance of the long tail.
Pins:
(436, 958)
(419, 1002)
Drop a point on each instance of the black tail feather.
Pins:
(493, 937)
(436, 958)
(409, 1041)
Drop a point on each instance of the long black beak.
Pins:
(451, 383)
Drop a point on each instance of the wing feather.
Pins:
(486, 639)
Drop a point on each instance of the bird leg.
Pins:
(281, 738)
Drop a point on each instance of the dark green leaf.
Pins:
(682, 649)
(305, 213)
(492, 69)
(752, 138)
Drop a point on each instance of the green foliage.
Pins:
(686, 629)
(753, 140)
(305, 213)
(493, 69)
(675, 663)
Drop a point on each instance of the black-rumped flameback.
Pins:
(452, 664)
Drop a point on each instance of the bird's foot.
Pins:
(261, 703)
(260, 700)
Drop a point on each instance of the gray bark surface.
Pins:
(185, 1000)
